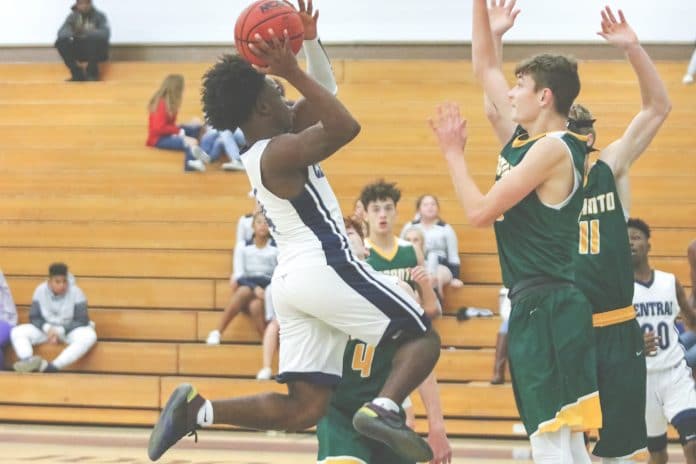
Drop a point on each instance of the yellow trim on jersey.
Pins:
(388, 255)
(584, 414)
(341, 460)
(523, 139)
(615, 316)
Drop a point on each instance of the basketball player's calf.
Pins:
(186, 411)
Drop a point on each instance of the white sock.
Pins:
(386, 403)
(205, 414)
(617, 461)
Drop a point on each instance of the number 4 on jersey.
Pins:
(362, 359)
(589, 237)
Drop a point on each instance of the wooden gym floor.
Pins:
(41, 444)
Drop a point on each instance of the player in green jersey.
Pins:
(387, 252)
(534, 206)
(603, 260)
(365, 368)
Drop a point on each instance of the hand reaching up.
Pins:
(617, 33)
(501, 16)
(309, 19)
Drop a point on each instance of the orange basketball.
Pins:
(261, 16)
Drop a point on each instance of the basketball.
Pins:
(261, 16)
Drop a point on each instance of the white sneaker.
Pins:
(195, 165)
(234, 165)
(688, 79)
(264, 374)
(199, 154)
(213, 337)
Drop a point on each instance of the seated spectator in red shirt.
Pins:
(164, 133)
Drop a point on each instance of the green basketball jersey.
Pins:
(535, 240)
(365, 369)
(603, 255)
(397, 262)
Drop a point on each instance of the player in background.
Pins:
(603, 254)
(658, 299)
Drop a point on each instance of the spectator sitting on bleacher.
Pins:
(231, 143)
(164, 133)
(58, 314)
(84, 36)
(8, 316)
(441, 246)
(253, 267)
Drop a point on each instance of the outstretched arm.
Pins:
(289, 154)
(547, 157)
(486, 65)
(501, 17)
(318, 65)
(655, 104)
(437, 437)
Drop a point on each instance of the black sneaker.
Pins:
(390, 428)
(177, 420)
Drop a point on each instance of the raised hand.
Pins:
(449, 128)
(501, 16)
(276, 53)
(617, 33)
(309, 19)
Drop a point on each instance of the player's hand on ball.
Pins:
(449, 128)
(276, 53)
(309, 19)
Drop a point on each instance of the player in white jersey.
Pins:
(321, 293)
(670, 396)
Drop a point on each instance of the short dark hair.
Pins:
(556, 72)
(57, 269)
(230, 91)
(380, 190)
(639, 224)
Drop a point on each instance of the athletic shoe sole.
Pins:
(398, 437)
(164, 436)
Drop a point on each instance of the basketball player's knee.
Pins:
(307, 415)
(657, 444)
(685, 423)
(309, 404)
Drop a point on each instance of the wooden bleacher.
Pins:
(151, 245)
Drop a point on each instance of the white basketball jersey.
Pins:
(309, 228)
(656, 308)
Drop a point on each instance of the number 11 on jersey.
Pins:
(589, 237)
